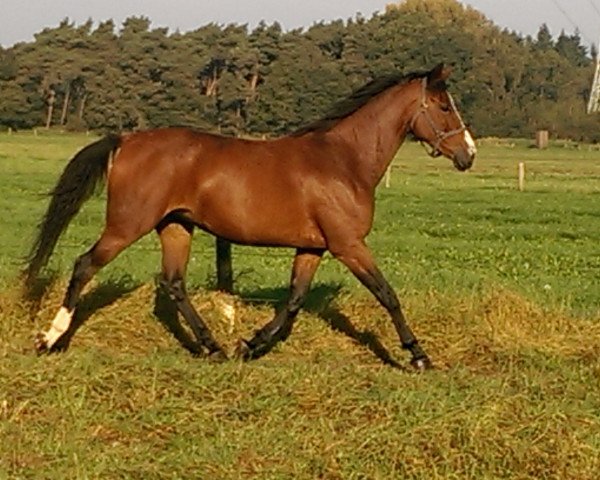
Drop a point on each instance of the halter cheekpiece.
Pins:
(440, 135)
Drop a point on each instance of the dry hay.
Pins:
(483, 332)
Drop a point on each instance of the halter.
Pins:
(440, 135)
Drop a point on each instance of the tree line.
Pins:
(267, 81)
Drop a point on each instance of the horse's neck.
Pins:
(376, 131)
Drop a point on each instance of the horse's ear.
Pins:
(438, 76)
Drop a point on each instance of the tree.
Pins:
(268, 82)
(544, 40)
(569, 47)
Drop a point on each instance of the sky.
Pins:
(20, 19)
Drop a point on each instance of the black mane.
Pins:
(356, 100)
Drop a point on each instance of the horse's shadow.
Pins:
(320, 302)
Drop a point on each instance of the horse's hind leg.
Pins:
(306, 263)
(106, 249)
(175, 239)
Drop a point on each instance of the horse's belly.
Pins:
(261, 225)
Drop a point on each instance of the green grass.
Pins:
(501, 286)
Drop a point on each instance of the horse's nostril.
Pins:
(463, 160)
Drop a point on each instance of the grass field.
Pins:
(502, 287)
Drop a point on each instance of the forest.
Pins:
(265, 81)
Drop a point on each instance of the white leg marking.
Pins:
(470, 143)
(60, 325)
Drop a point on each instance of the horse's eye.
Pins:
(445, 107)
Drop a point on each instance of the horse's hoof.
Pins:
(218, 356)
(195, 348)
(421, 364)
(243, 350)
(40, 344)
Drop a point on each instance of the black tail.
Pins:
(76, 184)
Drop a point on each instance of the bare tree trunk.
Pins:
(253, 84)
(82, 106)
(50, 102)
(211, 88)
(65, 107)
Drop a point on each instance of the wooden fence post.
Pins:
(541, 139)
(224, 266)
(521, 176)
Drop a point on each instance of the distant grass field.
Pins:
(502, 286)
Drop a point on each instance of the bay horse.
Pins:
(312, 190)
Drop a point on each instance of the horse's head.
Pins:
(437, 122)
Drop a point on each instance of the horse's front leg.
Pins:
(358, 258)
(306, 263)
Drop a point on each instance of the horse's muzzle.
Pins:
(463, 160)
